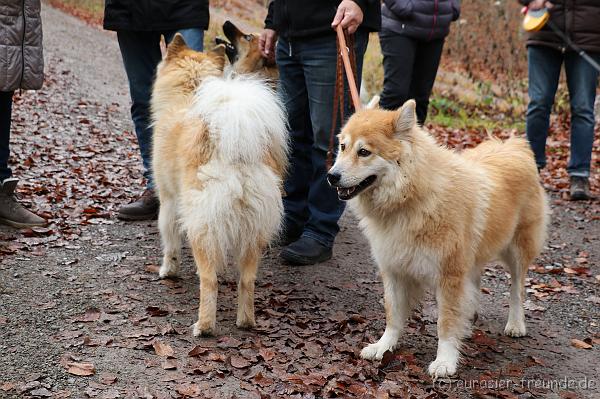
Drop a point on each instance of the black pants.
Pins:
(5, 115)
(410, 67)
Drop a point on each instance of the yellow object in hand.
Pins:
(535, 19)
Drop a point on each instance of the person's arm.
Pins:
(268, 37)
(400, 8)
(455, 9)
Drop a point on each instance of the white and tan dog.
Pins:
(434, 217)
(219, 155)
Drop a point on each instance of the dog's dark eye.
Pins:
(342, 147)
(363, 152)
(248, 37)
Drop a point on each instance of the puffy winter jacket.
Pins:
(305, 18)
(420, 19)
(21, 57)
(155, 15)
(579, 19)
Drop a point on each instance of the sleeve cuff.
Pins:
(363, 4)
(269, 17)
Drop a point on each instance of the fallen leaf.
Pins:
(169, 364)
(239, 362)
(152, 269)
(197, 351)
(91, 314)
(155, 311)
(261, 380)
(108, 378)
(190, 390)
(7, 386)
(162, 349)
(580, 344)
(266, 354)
(81, 369)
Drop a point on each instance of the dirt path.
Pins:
(85, 291)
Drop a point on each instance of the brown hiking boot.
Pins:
(11, 212)
(580, 188)
(145, 208)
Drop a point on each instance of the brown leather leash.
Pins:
(346, 62)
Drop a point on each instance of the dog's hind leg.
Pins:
(248, 264)
(171, 238)
(401, 294)
(207, 266)
(525, 246)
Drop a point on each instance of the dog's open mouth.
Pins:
(230, 50)
(346, 193)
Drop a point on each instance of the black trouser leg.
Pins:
(427, 61)
(5, 117)
(410, 67)
(398, 59)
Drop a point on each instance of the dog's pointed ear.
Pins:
(218, 55)
(406, 117)
(176, 46)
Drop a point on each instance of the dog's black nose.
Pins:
(333, 178)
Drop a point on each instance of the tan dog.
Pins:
(244, 54)
(219, 154)
(434, 217)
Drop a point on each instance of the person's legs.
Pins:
(194, 37)
(582, 80)
(292, 88)
(12, 213)
(398, 59)
(319, 62)
(544, 65)
(5, 118)
(426, 62)
(141, 54)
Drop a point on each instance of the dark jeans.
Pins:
(410, 66)
(5, 115)
(141, 55)
(307, 70)
(544, 71)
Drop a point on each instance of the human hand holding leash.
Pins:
(348, 15)
(266, 43)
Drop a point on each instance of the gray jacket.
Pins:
(419, 19)
(21, 57)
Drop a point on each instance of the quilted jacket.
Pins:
(21, 57)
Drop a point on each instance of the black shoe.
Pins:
(580, 188)
(289, 234)
(306, 251)
(145, 208)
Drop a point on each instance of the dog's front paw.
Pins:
(375, 351)
(442, 368)
(515, 329)
(204, 330)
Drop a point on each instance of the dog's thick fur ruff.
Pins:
(434, 217)
(219, 155)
